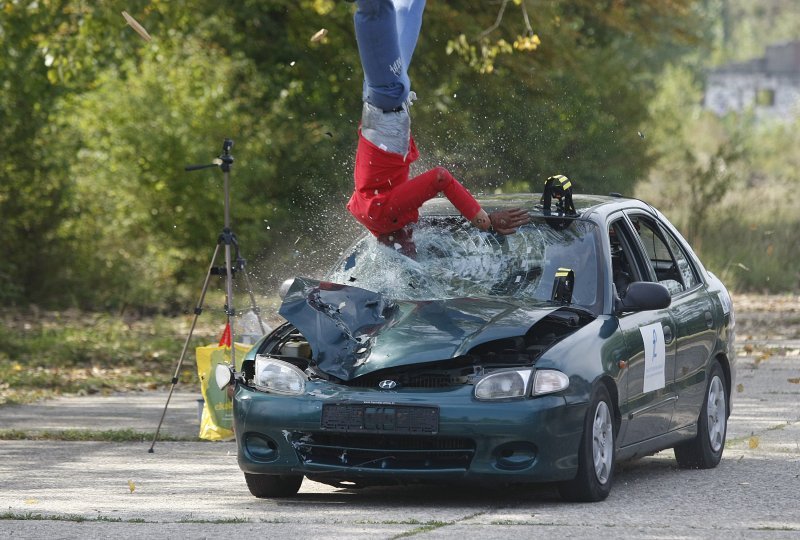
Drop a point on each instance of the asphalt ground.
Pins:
(60, 489)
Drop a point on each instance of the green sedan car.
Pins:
(589, 336)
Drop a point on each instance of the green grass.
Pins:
(410, 521)
(750, 255)
(426, 527)
(514, 522)
(72, 435)
(77, 518)
(47, 354)
(222, 521)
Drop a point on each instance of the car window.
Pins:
(686, 269)
(624, 268)
(665, 266)
(454, 259)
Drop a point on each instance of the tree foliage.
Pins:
(730, 183)
(96, 125)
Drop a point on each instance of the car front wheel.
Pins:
(596, 454)
(705, 450)
(273, 485)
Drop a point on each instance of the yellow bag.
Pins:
(216, 422)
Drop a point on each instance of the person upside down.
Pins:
(385, 200)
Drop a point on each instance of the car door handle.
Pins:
(709, 319)
(668, 334)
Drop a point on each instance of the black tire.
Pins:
(595, 477)
(273, 485)
(705, 450)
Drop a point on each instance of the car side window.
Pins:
(624, 266)
(667, 261)
(684, 266)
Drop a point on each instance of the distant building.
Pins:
(769, 85)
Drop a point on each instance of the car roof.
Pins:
(584, 204)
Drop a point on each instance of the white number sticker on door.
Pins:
(654, 356)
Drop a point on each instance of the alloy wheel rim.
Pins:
(602, 442)
(715, 412)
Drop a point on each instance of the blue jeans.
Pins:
(387, 32)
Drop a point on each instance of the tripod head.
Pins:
(226, 158)
(224, 161)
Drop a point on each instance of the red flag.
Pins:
(226, 336)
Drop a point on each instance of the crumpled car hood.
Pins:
(353, 331)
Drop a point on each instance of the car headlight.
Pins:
(272, 375)
(547, 381)
(503, 385)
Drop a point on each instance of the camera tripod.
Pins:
(227, 238)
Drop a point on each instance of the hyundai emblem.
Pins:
(387, 385)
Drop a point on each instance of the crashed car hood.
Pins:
(353, 331)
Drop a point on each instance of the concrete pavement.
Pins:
(134, 411)
(195, 489)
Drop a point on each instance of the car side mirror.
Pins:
(643, 296)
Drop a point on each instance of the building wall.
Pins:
(770, 85)
(738, 92)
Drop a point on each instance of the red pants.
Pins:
(409, 196)
(385, 200)
(394, 210)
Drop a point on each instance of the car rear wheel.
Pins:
(596, 454)
(705, 450)
(273, 485)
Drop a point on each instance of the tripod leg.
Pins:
(253, 305)
(197, 310)
(229, 309)
(240, 266)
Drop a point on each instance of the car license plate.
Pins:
(369, 418)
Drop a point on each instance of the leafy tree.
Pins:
(99, 124)
(576, 102)
(33, 190)
(743, 28)
(699, 158)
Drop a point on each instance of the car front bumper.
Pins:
(529, 440)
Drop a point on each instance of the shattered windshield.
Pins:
(455, 260)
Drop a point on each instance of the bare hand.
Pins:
(507, 221)
(481, 220)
